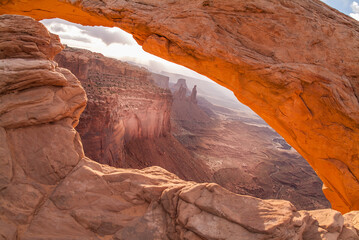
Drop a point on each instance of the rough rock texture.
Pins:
(51, 191)
(127, 119)
(122, 104)
(40, 104)
(295, 63)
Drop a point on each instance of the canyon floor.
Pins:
(244, 154)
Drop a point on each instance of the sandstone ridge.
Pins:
(50, 190)
(293, 62)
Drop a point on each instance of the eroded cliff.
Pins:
(127, 119)
(295, 63)
(122, 105)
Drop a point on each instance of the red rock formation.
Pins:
(127, 119)
(180, 83)
(123, 104)
(295, 63)
(185, 111)
(51, 191)
(193, 97)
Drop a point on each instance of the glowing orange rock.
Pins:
(295, 63)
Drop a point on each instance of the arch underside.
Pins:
(295, 63)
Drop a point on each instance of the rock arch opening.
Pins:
(292, 62)
(215, 138)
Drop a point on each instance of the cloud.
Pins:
(355, 7)
(75, 38)
(57, 28)
(105, 34)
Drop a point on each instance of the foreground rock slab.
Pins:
(50, 190)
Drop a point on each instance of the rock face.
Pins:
(49, 190)
(295, 63)
(127, 119)
(123, 105)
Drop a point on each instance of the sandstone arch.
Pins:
(295, 63)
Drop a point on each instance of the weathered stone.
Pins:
(127, 119)
(94, 201)
(37, 43)
(292, 62)
(123, 104)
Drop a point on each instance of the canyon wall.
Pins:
(295, 63)
(50, 190)
(123, 104)
(127, 119)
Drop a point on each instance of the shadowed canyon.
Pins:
(306, 90)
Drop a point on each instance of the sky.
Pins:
(348, 7)
(115, 43)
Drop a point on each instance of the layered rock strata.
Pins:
(50, 190)
(123, 104)
(127, 119)
(293, 62)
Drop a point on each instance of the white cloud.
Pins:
(355, 7)
(105, 34)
